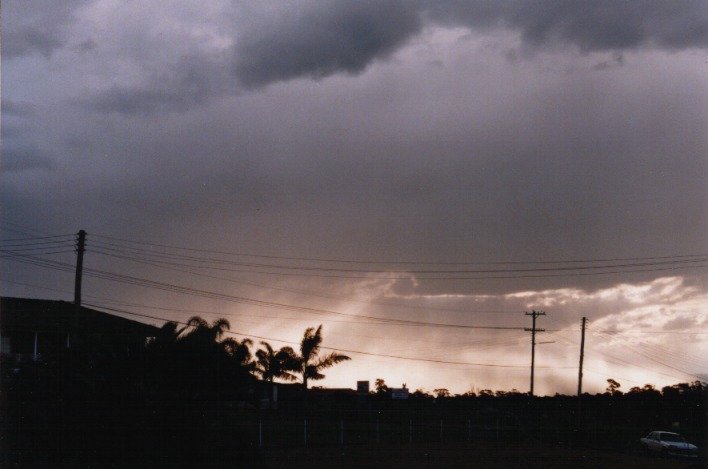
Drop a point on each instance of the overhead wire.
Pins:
(338, 349)
(45, 245)
(187, 290)
(621, 361)
(619, 259)
(131, 280)
(304, 292)
(28, 250)
(391, 274)
(651, 355)
(429, 349)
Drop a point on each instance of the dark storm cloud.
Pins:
(17, 153)
(589, 25)
(192, 81)
(320, 39)
(25, 160)
(132, 101)
(31, 39)
(317, 39)
(16, 109)
(617, 61)
(37, 28)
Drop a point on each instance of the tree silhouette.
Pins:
(196, 360)
(240, 353)
(196, 334)
(613, 387)
(311, 364)
(206, 334)
(381, 387)
(270, 365)
(166, 337)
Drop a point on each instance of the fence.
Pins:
(330, 430)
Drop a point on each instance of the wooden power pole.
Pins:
(580, 367)
(533, 330)
(80, 248)
(582, 355)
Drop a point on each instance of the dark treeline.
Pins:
(612, 419)
(193, 397)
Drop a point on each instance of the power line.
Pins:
(170, 266)
(650, 356)
(282, 269)
(625, 265)
(622, 361)
(610, 332)
(19, 249)
(447, 275)
(350, 261)
(130, 280)
(380, 355)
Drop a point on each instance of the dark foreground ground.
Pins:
(81, 414)
(478, 455)
(470, 456)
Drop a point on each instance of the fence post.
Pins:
(305, 427)
(260, 434)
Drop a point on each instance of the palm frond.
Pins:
(316, 376)
(196, 322)
(218, 327)
(285, 376)
(330, 360)
(267, 346)
(310, 344)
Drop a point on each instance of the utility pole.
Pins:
(534, 314)
(80, 248)
(582, 355)
(580, 367)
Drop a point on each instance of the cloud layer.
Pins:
(499, 142)
(317, 39)
(250, 47)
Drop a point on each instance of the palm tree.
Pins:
(204, 333)
(272, 365)
(166, 337)
(310, 362)
(206, 340)
(239, 352)
(197, 335)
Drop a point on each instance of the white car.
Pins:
(669, 443)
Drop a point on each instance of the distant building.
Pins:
(362, 388)
(326, 392)
(32, 329)
(399, 393)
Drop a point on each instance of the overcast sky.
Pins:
(463, 162)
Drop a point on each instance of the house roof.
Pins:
(26, 314)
